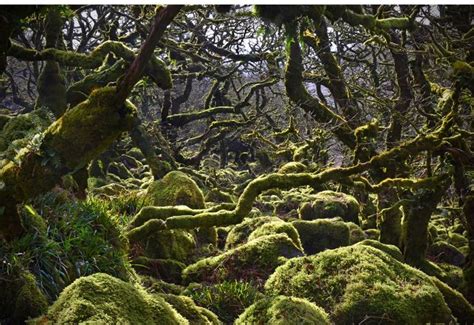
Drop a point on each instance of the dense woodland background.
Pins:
(248, 164)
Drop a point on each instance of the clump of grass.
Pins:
(227, 299)
(66, 240)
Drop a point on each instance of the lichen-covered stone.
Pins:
(277, 227)
(330, 204)
(101, 298)
(254, 261)
(283, 310)
(321, 234)
(356, 282)
(240, 233)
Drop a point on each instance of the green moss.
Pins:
(444, 252)
(277, 227)
(176, 244)
(457, 240)
(452, 275)
(356, 233)
(24, 126)
(177, 188)
(460, 307)
(227, 299)
(372, 234)
(283, 310)
(167, 269)
(105, 299)
(154, 285)
(240, 233)
(391, 250)
(96, 120)
(329, 204)
(361, 283)
(21, 298)
(188, 309)
(318, 235)
(218, 196)
(254, 261)
(293, 167)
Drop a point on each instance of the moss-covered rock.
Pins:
(240, 233)
(318, 235)
(391, 250)
(176, 188)
(253, 261)
(101, 298)
(361, 283)
(21, 298)
(292, 167)
(356, 233)
(284, 310)
(277, 227)
(330, 204)
(444, 252)
(372, 234)
(186, 307)
(176, 244)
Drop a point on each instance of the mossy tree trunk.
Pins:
(415, 224)
(77, 137)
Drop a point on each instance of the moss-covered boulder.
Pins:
(277, 227)
(330, 204)
(253, 261)
(283, 310)
(362, 284)
(443, 252)
(356, 234)
(21, 298)
(292, 167)
(101, 298)
(176, 244)
(372, 234)
(186, 307)
(176, 188)
(391, 250)
(240, 233)
(318, 235)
